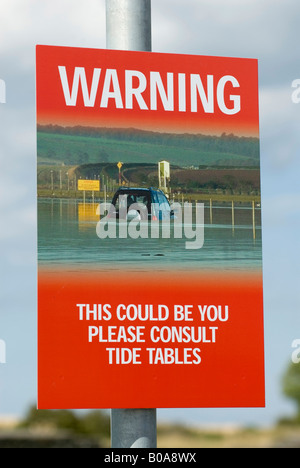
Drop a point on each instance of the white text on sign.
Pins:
(190, 90)
(158, 335)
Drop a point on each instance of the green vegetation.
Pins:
(58, 428)
(291, 389)
(201, 165)
(66, 425)
(82, 145)
(93, 423)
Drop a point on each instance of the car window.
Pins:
(154, 197)
(130, 198)
(163, 200)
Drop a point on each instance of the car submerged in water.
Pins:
(141, 204)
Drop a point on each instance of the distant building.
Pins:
(164, 175)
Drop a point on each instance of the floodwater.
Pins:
(67, 237)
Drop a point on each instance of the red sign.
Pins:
(145, 320)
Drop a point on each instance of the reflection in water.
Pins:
(67, 236)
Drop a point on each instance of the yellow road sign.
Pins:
(89, 185)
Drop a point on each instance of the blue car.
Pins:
(140, 203)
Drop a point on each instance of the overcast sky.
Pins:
(262, 29)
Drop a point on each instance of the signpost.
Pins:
(161, 327)
(128, 27)
(119, 165)
(163, 174)
(88, 185)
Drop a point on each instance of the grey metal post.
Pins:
(128, 27)
(135, 428)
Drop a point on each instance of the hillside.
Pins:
(85, 145)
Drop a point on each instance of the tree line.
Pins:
(225, 143)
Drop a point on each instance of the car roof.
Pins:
(135, 189)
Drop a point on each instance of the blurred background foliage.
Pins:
(92, 423)
(291, 389)
(91, 429)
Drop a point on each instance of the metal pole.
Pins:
(128, 27)
(253, 219)
(134, 428)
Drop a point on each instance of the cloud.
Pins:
(279, 122)
(250, 28)
(25, 23)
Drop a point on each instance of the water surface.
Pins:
(67, 237)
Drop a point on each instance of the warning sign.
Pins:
(135, 318)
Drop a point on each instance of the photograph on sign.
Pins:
(150, 287)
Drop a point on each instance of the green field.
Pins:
(74, 145)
